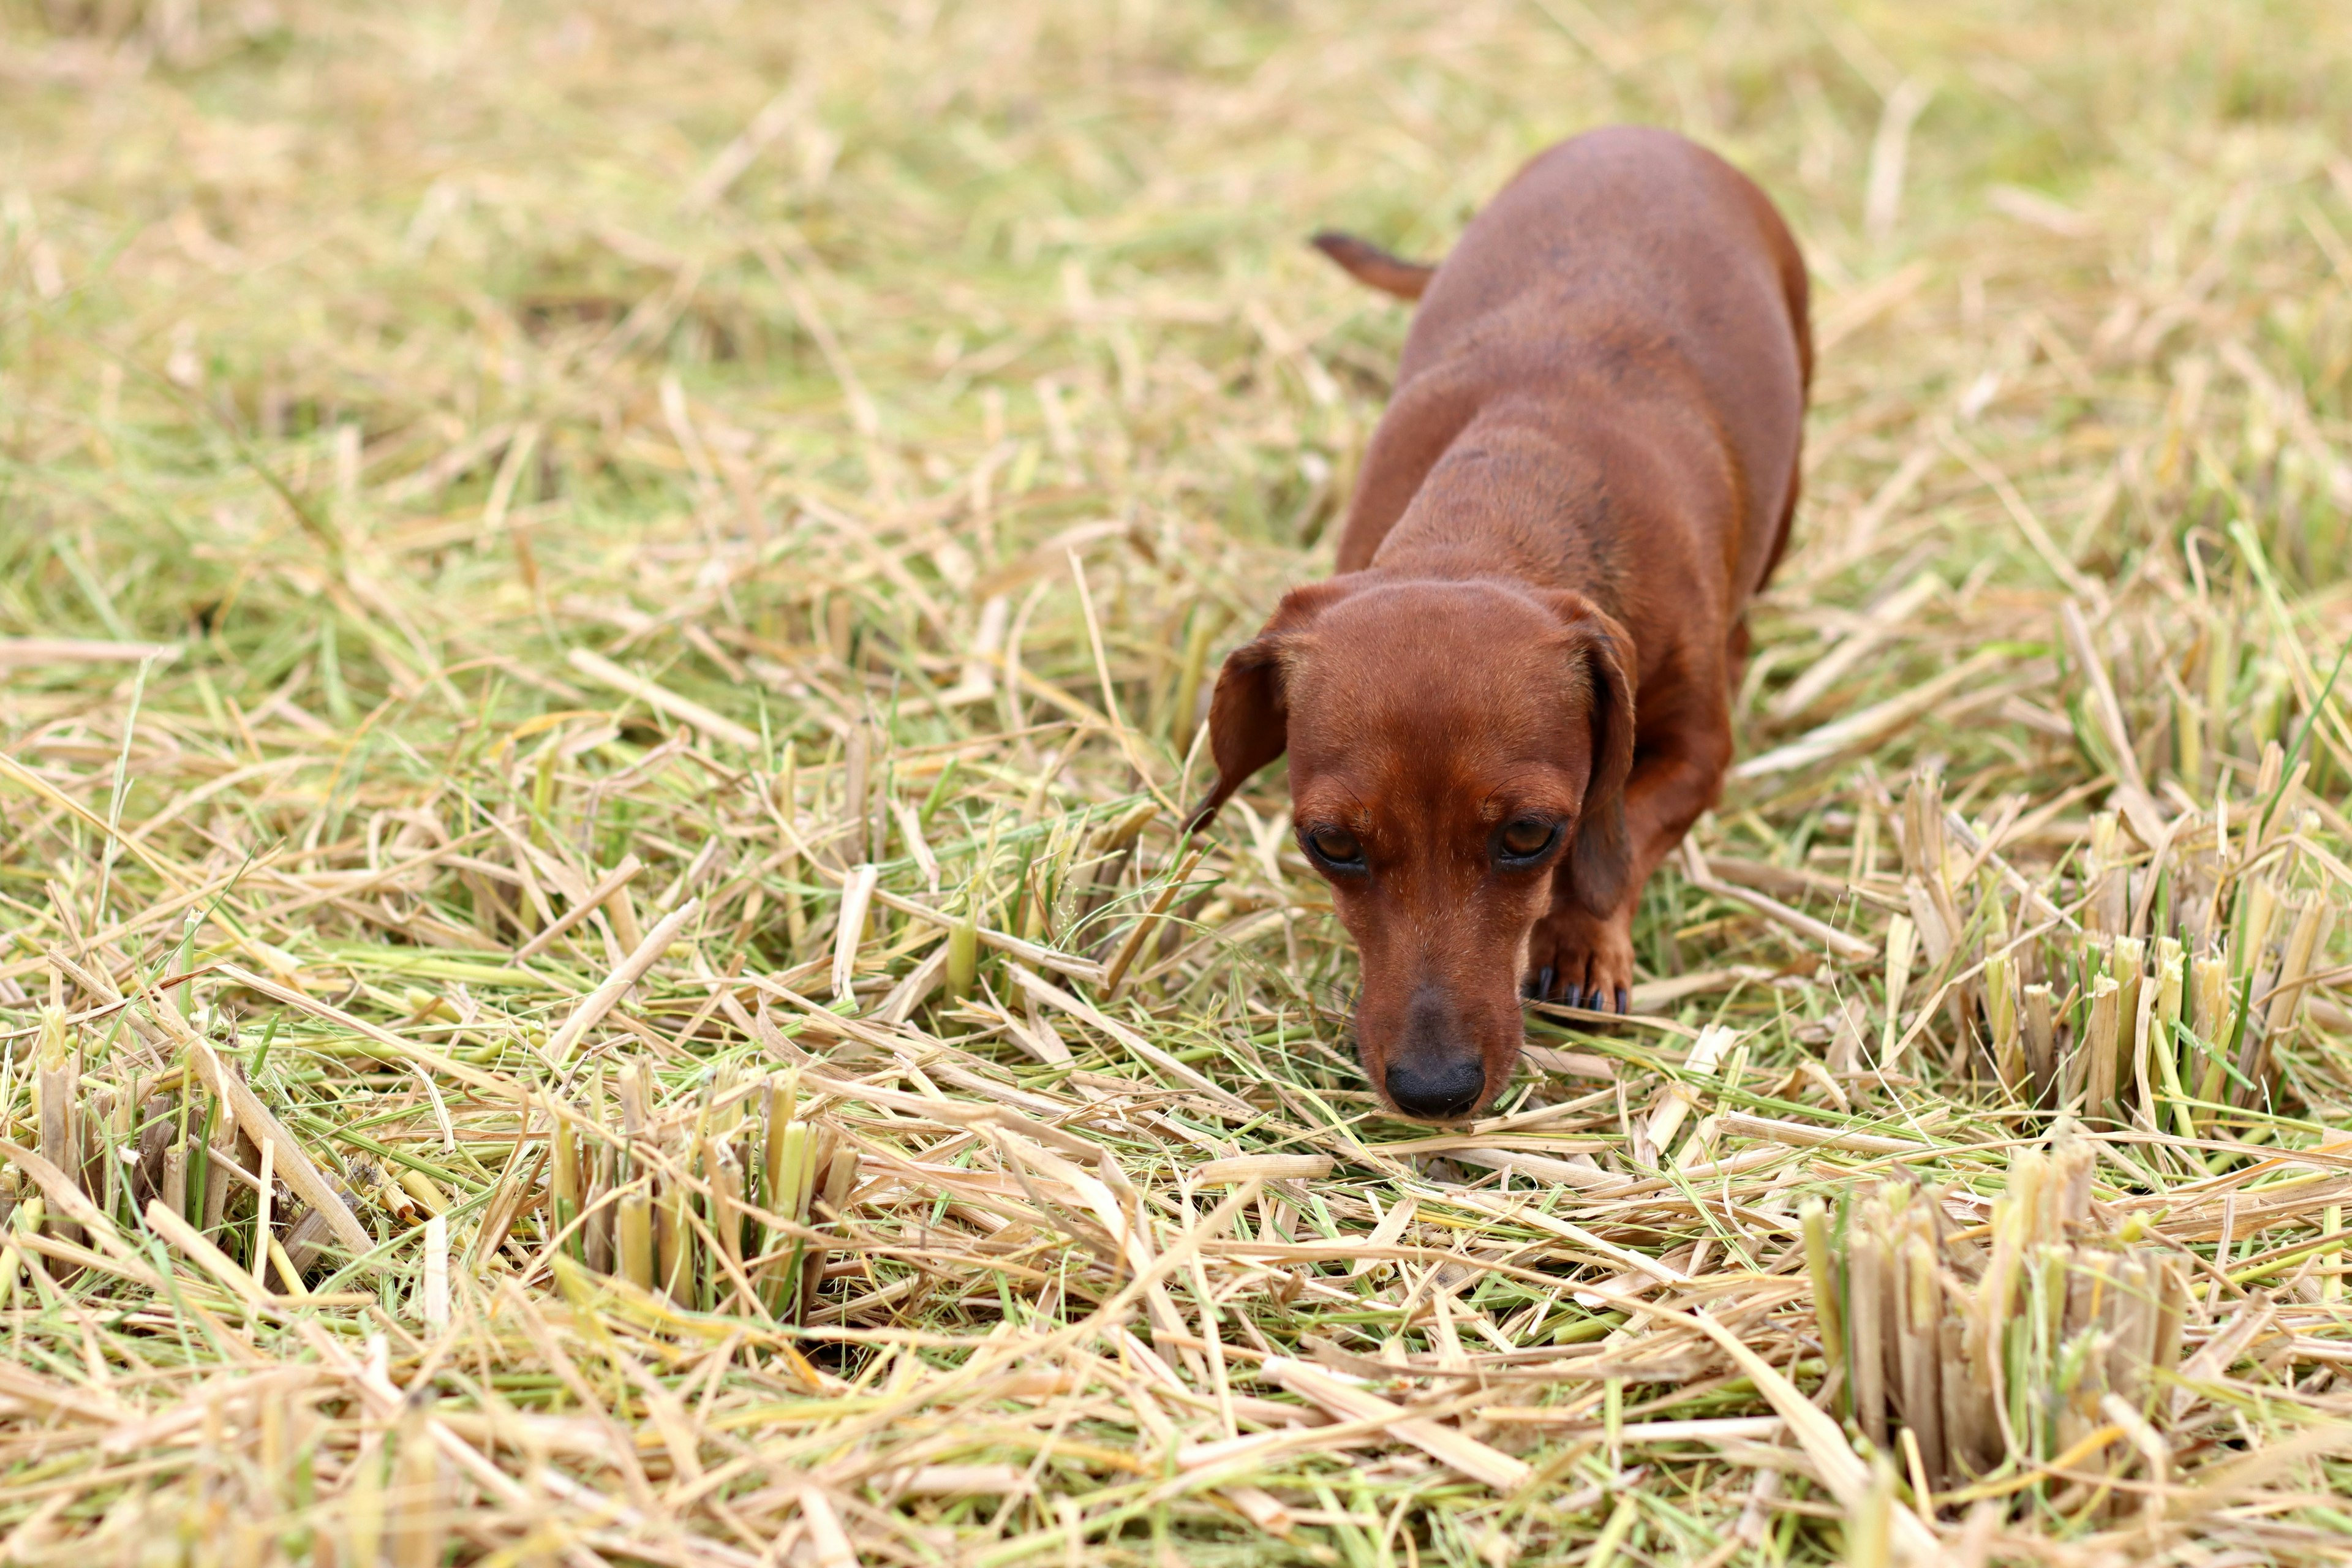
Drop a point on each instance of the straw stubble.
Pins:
(641, 792)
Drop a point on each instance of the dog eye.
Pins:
(1527, 837)
(1336, 846)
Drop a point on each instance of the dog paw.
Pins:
(1582, 961)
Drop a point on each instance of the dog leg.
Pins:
(1587, 960)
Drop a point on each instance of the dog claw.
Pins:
(1571, 995)
(1624, 1002)
(1543, 982)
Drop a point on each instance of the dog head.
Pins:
(1458, 754)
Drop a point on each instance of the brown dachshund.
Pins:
(1515, 697)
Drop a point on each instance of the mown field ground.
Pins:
(603, 617)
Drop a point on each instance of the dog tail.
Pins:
(1368, 263)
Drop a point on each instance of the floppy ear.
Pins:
(1602, 858)
(1249, 723)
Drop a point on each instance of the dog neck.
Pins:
(1511, 500)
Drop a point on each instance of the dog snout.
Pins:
(1437, 1090)
(1436, 1072)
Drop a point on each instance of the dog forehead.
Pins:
(1438, 695)
(1447, 663)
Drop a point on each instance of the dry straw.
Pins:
(601, 614)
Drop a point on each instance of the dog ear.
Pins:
(1249, 721)
(1602, 858)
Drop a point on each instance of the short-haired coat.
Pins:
(1514, 697)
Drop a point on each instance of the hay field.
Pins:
(602, 617)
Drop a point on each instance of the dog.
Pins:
(1514, 697)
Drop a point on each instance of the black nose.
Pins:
(1437, 1090)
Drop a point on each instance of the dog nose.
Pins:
(1438, 1091)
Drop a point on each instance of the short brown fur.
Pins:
(1586, 471)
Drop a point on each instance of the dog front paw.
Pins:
(1581, 960)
